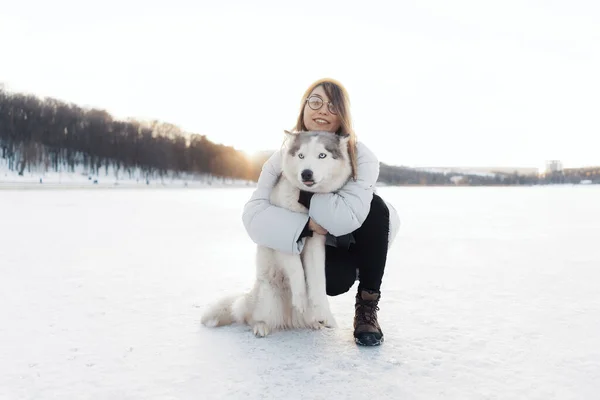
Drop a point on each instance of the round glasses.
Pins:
(315, 103)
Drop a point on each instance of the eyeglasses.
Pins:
(315, 103)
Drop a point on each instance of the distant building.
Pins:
(553, 166)
(458, 180)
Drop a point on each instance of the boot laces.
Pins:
(367, 311)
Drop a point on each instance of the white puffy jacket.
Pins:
(339, 213)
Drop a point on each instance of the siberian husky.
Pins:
(289, 291)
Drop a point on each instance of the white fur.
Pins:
(289, 291)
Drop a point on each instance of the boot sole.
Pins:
(368, 340)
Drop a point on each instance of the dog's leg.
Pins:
(313, 258)
(257, 316)
(291, 265)
(266, 312)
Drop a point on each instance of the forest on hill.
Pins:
(54, 135)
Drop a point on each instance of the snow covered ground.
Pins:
(490, 293)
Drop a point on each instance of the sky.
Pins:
(432, 83)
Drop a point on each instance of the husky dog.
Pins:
(289, 291)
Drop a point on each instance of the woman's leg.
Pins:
(340, 270)
(370, 252)
(371, 247)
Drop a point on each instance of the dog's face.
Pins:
(317, 161)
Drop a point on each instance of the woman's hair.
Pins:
(339, 97)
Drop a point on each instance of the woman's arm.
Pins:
(269, 225)
(345, 211)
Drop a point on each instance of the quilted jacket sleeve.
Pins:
(345, 211)
(269, 225)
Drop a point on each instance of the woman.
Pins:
(359, 224)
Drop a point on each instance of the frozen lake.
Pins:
(489, 293)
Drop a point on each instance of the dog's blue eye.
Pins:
(300, 156)
(322, 155)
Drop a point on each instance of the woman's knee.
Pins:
(339, 284)
(336, 289)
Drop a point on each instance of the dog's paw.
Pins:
(261, 329)
(318, 312)
(316, 325)
(322, 315)
(300, 302)
(330, 320)
(328, 323)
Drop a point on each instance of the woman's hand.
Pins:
(313, 226)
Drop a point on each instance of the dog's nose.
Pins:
(307, 175)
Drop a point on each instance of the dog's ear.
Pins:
(344, 138)
(289, 135)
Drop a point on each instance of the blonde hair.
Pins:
(339, 97)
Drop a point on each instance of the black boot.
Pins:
(366, 328)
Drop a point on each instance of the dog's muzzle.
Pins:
(307, 177)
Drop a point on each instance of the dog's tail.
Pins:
(225, 312)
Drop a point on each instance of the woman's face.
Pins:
(321, 119)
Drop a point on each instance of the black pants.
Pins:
(368, 254)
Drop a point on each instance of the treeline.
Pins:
(576, 175)
(54, 134)
(393, 175)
